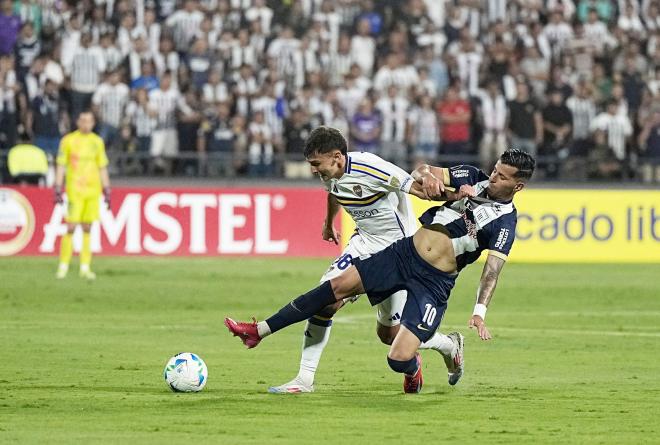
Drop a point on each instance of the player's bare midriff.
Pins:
(434, 246)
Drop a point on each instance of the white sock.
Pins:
(84, 267)
(440, 343)
(315, 339)
(263, 329)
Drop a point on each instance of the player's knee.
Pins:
(403, 366)
(347, 284)
(86, 227)
(330, 310)
(70, 228)
(386, 333)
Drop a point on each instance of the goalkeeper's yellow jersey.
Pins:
(83, 155)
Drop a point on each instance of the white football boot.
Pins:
(295, 386)
(455, 363)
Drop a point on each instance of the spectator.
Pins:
(363, 47)
(557, 126)
(296, 131)
(147, 78)
(164, 140)
(85, 69)
(649, 141)
(142, 118)
(261, 13)
(393, 109)
(216, 141)
(28, 48)
(525, 124)
(493, 115)
(10, 24)
(46, 115)
(424, 131)
(9, 89)
(611, 130)
(199, 63)
(261, 150)
(184, 23)
(108, 103)
(366, 127)
(112, 56)
(454, 114)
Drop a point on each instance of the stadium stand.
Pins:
(231, 87)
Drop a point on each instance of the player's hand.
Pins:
(466, 190)
(106, 196)
(478, 323)
(58, 198)
(432, 186)
(330, 234)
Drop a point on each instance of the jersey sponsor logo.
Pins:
(16, 222)
(334, 188)
(470, 226)
(501, 238)
(460, 173)
(405, 183)
(357, 190)
(356, 213)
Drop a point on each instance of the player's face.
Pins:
(327, 165)
(85, 122)
(502, 182)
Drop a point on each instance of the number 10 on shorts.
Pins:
(429, 314)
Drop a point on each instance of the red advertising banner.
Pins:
(174, 221)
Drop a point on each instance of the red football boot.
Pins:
(412, 384)
(247, 332)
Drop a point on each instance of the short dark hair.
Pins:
(323, 140)
(521, 160)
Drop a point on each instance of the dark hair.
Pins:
(323, 140)
(521, 160)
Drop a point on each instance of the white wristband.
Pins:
(480, 310)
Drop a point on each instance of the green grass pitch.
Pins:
(575, 358)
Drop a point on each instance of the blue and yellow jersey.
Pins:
(83, 155)
(374, 193)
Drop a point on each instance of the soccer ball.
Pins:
(186, 372)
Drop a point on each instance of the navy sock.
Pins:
(302, 307)
(406, 367)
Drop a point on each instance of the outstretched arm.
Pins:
(487, 284)
(429, 182)
(432, 183)
(329, 231)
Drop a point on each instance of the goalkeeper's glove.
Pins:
(59, 196)
(106, 195)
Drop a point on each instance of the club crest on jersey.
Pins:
(394, 182)
(357, 190)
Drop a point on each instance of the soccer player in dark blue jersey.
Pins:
(479, 215)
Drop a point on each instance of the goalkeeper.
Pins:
(82, 160)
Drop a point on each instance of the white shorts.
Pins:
(164, 143)
(389, 310)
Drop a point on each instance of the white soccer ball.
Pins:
(186, 372)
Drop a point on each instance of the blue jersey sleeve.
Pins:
(465, 174)
(501, 234)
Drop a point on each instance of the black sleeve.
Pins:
(465, 174)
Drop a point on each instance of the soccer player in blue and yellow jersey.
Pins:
(83, 161)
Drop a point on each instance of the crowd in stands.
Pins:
(233, 87)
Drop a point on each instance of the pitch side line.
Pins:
(350, 319)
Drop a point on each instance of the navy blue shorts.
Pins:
(399, 267)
